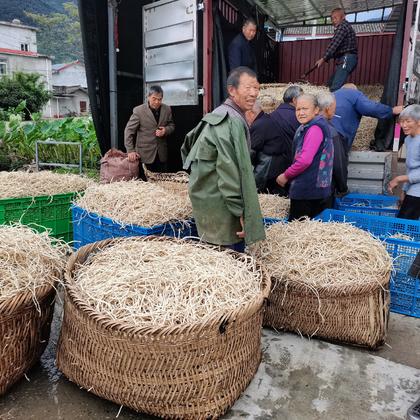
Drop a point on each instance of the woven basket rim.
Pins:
(328, 291)
(180, 177)
(108, 323)
(24, 299)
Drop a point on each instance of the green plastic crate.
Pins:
(41, 213)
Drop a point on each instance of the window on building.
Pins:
(83, 106)
(3, 66)
(24, 47)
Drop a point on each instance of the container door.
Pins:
(170, 50)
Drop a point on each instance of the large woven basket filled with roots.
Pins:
(329, 280)
(29, 268)
(171, 181)
(163, 326)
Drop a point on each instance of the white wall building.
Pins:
(69, 74)
(18, 53)
(15, 36)
(70, 89)
(70, 101)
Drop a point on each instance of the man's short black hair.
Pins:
(235, 75)
(155, 89)
(339, 10)
(249, 21)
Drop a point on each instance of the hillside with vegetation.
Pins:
(16, 9)
(57, 21)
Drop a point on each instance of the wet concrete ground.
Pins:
(298, 379)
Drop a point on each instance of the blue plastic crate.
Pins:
(405, 289)
(380, 226)
(379, 205)
(90, 227)
(268, 221)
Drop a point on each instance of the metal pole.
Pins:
(406, 46)
(112, 66)
(37, 156)
(207, 55)
(80, 158)
(403, 75)
(413, 46)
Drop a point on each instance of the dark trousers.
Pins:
(157, 165)
(345, 66)
(410, 208)
(239, 247)
(308, 208)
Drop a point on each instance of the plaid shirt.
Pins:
(343, 42)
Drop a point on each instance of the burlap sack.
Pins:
(116, 167)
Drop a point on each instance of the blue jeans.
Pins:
(345, 65)
(239, 247)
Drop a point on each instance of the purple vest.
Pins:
(315, 182)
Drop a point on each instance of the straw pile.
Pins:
(373, 92)
(274, 206)
(29, 268)
(366, 132)
(322, 254)
(27, 260)
(329, 279)
(271, 94)
(135, 203)
(162, 284)
(34, 184)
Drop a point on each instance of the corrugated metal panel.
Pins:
(296, 57)
(369, 172)
(283, 12)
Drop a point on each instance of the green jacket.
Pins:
(222, 186)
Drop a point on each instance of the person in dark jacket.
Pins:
(310, 174)
(351, 106)
(241, 51)
(327, 107)
(286, 125)
(265, 141)
(342, 48)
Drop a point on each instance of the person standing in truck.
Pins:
(241, 51)
(342, 48)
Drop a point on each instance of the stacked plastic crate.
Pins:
(402, 240)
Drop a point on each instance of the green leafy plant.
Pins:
(18, 139)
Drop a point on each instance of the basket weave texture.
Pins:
(189, 372)
(24, 333)
(176, 182)
(345, 313)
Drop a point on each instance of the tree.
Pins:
(60, 34)
(23, 87)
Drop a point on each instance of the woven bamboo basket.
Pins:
(24, 333)
(176, 182)
(189, 372)
(348, 314)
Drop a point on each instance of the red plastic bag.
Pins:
(115, 166)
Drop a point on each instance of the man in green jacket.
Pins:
(222, 185)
